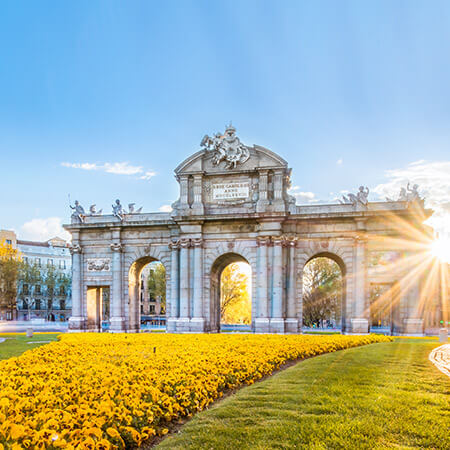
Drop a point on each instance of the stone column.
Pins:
(197, 205)
(117, 321)
(412, 323)
(174, 286)
(77, 321)
(184, 192)
(278, 200)
(262, 320)
(198, 321)
(277, 319)
(263, 194)
(183, 321)
(359, 321)
(292, 325)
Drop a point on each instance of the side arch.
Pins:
(342, 253)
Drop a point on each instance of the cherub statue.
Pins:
(78, 213)
(362, 195)
(413, 193)
(402, 197)
(118, 210)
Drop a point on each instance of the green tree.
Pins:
(9, 271)
(30, 276)
(235, 303)
(157, 283)
(322, 292)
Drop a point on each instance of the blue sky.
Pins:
(349, 92)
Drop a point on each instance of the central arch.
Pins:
(217, 269)
(343, 294)
(136, 290)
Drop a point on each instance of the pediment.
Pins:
(203, 162)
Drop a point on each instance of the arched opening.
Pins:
(231, 286)
(324, 293)
(147, 290)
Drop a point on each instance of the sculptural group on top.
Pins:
(227, 147)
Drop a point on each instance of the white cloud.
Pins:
(117, 168)
(43, 229)
(433, 178)
(165, 208)
(339, 161)
(147, 175)
(303, 196)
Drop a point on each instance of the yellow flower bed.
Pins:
(101, 391)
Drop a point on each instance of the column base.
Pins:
(183, 325)
(292, 326)
(413, 327)
(171, 326)
(117, 324)
(358, 326)
(77, 324)
(277, 325)
(262, 325)
(197, 325)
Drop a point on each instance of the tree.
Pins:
(50, 281)
(322, 292)
(9, 270)
(235, 303)
(157, 283)
(30, 276)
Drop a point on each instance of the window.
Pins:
(62, 264)
(62, 304)
(25, 259)
(49, 304)
(8, 242)
(25, 304)
(38, 262)
(37, 303)
(37, 289)
(62, 290)
(49, 262)
(26, 289)
(152, 309)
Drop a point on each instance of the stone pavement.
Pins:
(440, 357)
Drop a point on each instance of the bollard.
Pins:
(443, 335)
(29, 332)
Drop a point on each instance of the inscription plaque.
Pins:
(231, 191)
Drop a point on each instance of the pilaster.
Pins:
(77, 322)
(117, 320)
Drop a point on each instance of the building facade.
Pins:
(46, 296)
(234, 205)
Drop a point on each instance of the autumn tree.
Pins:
(235, 302)
(9, 270)
(322, 292)
(157, 283)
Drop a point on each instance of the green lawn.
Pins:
(377, 396)
(15, 344)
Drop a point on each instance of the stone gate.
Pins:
(234, 205)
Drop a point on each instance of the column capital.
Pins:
(278, 240)
(116, 247)
(75, 248)
(198, 242)
(174, 245)
(185, 243)
(263, 241)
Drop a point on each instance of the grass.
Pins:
(15, 343)
(377, 396)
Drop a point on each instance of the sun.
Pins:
(440, 248)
